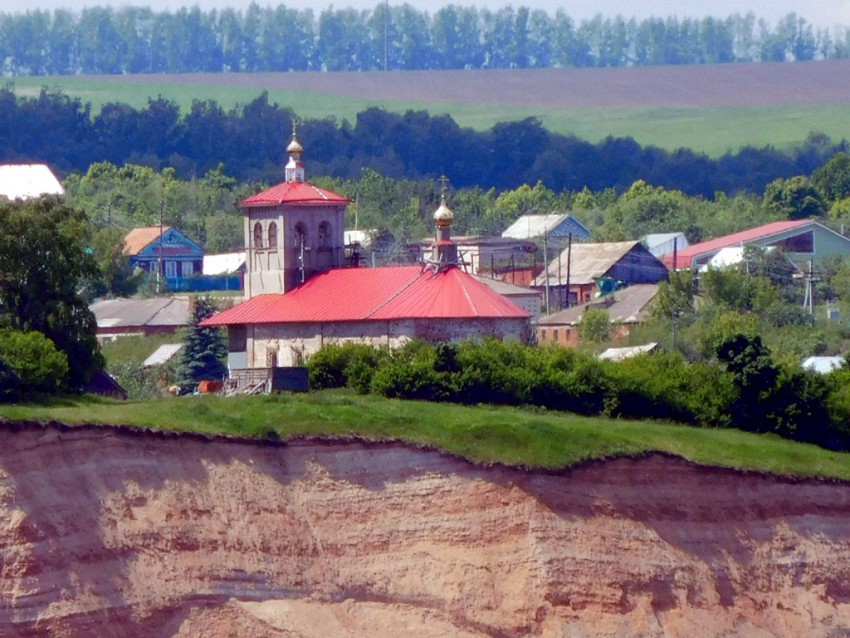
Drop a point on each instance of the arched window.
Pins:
(300, 235)
(258, 235)
(324, 235)
(272, 235)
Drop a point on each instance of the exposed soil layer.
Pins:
(107, 531)
(710, 85)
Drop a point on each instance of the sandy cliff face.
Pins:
(110, 532)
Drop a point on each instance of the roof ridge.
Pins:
(398, 292)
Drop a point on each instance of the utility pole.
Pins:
(569, 262)
(546, 271)
(809, 300)
(159, 264)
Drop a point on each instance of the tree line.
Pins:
(103, 40)
(248, 142)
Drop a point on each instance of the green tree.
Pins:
(43, 263)
(794, 198)
(675, 297)
(595, 326)
(204, 350)
(754, 375)
(39, 366)
(833, 178)
(116, 277)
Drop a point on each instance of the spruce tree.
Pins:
(204, 350)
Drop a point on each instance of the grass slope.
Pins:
(482, 434)
(713, 129)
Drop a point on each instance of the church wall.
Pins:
(292, 344)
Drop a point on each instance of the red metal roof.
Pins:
(364, 294)
(293, 193)
(685, 256)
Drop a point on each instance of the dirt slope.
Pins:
(111, 532)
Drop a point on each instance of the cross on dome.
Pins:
(294, 167)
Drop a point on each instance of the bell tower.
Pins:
(292, 230)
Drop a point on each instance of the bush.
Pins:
(665, 386)
(341, 365)
(412, 380)
(40, 367)
(10, 383)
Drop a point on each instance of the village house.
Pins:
(581, 271)
(801, 240)
(165, 250)
(493, 257)
(140, 317)
(302, 293)
(550, 226)
(626, 308)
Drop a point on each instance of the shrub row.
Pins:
(720, 393)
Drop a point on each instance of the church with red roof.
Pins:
(302, 294)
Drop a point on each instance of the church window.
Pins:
(258, 235)
(300, 235)
(324, 235)
(272, 235)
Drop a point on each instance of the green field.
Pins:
(712, 130)
(482, 434)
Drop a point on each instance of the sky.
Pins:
(821, 13)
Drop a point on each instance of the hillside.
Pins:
(110, 531)
(708, 108)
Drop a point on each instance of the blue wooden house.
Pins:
(165, 250)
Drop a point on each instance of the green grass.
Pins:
(482, 434)
(710, 130)
(135, 349)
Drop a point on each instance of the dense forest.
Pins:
(101, 40)
(248, 142)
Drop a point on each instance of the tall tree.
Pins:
(204, 350)
(43, 266)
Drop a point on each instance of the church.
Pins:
(302, 292)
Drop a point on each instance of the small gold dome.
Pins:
(294, 146)
(444, 216)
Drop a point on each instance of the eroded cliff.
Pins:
(107, 531)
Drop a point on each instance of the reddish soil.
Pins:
(764, 84)
(114, 532)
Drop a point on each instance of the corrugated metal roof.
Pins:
(685, 257)
(163, 354)
(293, 193)
(159, 311)
(659, 244)
(588, 262)
(138, 238)
(823, 365)
(553, 224)
(504, 287)
(619, 354)
(362, 294)
(627, 305)
(25, 181)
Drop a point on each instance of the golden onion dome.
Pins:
(294, 146)
(444, 216)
